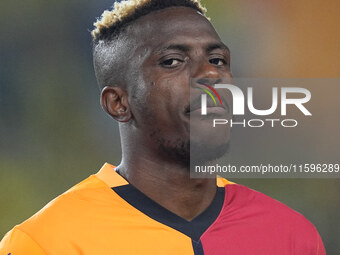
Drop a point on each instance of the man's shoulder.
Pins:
(254, 212)
(64, 213)
(87, 194)
(262, 225)
(244, 198)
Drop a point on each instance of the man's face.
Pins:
(171, 47)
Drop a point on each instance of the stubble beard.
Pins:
(186, 152)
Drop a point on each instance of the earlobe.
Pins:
(114, 101)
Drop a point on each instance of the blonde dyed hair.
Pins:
(125, 10)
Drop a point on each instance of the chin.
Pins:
(201, 153)
(209, 139)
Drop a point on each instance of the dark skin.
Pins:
(164, 49)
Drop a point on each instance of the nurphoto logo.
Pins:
(239, 99)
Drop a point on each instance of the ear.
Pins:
(114, 101)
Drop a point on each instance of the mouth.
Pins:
(212, 111)
(195, 108)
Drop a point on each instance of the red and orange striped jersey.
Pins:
(105, 214)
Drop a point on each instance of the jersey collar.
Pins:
(109, 175)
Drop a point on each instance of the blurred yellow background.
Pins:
(53, 132)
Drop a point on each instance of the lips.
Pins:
(195, 106)
(211, 112)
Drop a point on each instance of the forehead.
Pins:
(171, 25)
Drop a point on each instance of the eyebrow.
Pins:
(179, 47)
(186, 48)
(217, 46)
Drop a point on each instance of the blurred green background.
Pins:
(53, 132)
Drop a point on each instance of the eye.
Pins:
(173, 62)
(217, 61)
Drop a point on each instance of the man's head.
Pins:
(145, 53)
(111, 31)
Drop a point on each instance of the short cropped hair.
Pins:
(111, 22)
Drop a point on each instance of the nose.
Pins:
(205, 70)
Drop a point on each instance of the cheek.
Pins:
(168, 95)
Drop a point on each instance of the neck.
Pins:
(167, 183)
